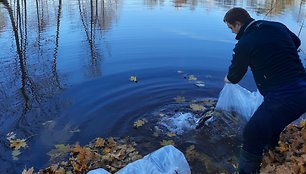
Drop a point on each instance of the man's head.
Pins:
(235, 18)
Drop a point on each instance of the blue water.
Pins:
(76, 59)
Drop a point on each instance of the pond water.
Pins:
(65, 68)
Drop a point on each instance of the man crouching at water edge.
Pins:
(270, 50)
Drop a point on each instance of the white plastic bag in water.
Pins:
(235, 98)
(166, 160)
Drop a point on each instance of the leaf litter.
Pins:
(111, 154)
(290, 154)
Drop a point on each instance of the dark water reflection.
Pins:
(68, 62)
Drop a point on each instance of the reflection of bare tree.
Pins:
(153, 3)
(25, 80)
(54, 69)
(32, 93)
(20, 54)
(90, 35)
(97, 14)
(38, 23)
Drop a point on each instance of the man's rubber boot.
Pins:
(249, 163)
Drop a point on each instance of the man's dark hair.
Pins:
(236, 14)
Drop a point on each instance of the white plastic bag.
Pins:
(166, 160)
(98, 171)
(235, 98)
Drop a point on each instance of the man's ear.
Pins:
(238, 23)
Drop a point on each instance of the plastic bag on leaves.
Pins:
(98, 171)
(235, 98)
(166, 160)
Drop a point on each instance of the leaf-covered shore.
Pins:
(288, 157)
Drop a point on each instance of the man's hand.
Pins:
(226, 79)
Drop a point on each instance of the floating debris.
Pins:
(133, 79)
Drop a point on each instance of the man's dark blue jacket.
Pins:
(270, 49)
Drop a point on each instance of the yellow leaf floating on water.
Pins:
(197, 107)
(171, 134)
(133, 79)
(167, 142)
(209, 102)
(18, 143)
(138, 123)
(15, 154)
(161, 114)
(59, 153)
(192, 78)
(30, 171)
(179, 99)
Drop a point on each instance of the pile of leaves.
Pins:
(290, 155)
(100, 153)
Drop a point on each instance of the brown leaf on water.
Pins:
(79, 168)
(197, 107)
(282, 147)
(112, 156)
(29, 171)
(167, 142)
(85, 155)
(18, 143)
(111, 142)
(191, 78)
(100, 142)
(107, 150)
(76, 149)
(171, 134)
(59, 153)
(138, 123)
(209, 102)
